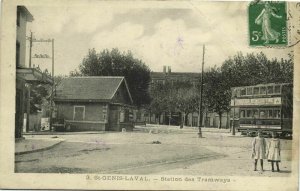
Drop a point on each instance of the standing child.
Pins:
(274, 151)
(259, 150)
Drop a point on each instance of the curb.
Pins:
(38, 150)
(66, 133)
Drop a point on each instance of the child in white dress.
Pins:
(259, 150)
(274, 151)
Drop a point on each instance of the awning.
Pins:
(34, 75)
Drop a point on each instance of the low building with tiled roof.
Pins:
(94, 103)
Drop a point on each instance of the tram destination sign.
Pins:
(256, 101)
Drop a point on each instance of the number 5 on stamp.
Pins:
(267, 23)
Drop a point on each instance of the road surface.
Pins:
(166, 150)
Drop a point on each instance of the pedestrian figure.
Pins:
(274, 151)
(259, 150)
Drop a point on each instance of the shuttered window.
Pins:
(79, 113)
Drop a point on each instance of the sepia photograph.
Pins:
(158, 95)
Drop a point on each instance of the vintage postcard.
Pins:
(149, 95)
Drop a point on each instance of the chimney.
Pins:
(169, 69)
(164, 69)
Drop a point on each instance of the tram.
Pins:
(265, 107)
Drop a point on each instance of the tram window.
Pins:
(249, 113)
(243, 91)
(277, 89)
(255, 114)
(238, 93)
(242, 113)
(270, 89)
(249, 91)
(270, 114)
(276, 113)
(262, 114)
(255, 90)
(262, 90)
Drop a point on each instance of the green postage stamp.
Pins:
(268, 23)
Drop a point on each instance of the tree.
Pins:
(184, 100)
(217, 92)
(178, 96)
(38, 96)
(256, 69)
(115, 63)
(162, 98)
(241, 70)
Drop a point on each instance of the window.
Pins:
(104, 112)
(125, 115)
(242, 114)
(249, 91)
(243, 91)
(270, 90)
(17, 54)
(255, 113)
(270, 113)
(277, 89)
(79, 113)
(276, 113)
(263, 114)
(249, 113)
(122, 115)
(255, 90)
(263, 90)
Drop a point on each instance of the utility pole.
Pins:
(52, 92)
(52, 74)
(28, 87)
(201, 95)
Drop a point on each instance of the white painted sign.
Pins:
(256, 101)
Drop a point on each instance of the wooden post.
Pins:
(52, 92)
(28, 107)
(201, 96)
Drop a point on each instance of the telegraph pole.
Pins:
(52, 92)
(28, 87)
(201, 95)
(52, 73)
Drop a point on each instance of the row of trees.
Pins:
(169, 97)
(183, 97)
(240, 70)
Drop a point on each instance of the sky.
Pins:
(159, 34)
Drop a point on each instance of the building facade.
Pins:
(99, 103)
(210, 119)
(25, 76)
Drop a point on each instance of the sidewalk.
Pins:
(63, 132)
(30, 145)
